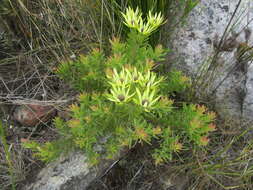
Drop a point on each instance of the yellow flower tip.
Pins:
(212, 115)
(82, 96)
(74, 123)
(109, 72)
(141, 134)
(170, 101)
(81, 57)
(87, 119)
(159, 47)
(95, 50)
(95, 95)
(106, 109)
(128, 67)
(212, 127)
(94, 108)
(124, 143)
(158, 161)
(166, 101)
(110, 59)
(177, 146)
(201, 109)
(117, 56)
(185, 79)
(204, 140)
(91, 74)
(150, 63)
(74, 107)
(114, 40)
(157, 130)
(195, 123)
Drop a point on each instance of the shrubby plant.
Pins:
(124, 102)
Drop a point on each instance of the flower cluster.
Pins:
(132, 85)
(133, 19)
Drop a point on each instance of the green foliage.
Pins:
(125, 102)
(176, 82)
(7, 152)
(91, 66)
(48, 151)
(195, 122)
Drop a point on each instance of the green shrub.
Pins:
(123, 102)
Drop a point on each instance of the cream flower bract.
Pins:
(133, 19)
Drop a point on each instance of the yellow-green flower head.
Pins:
(121, 78)
(155, 20)
(133, 19)
(146, 99)
(120, 94)
(150, 79)
(134, 75)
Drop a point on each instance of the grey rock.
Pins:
(227, 82)
(68, 173)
